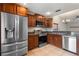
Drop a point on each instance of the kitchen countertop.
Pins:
(63, 33)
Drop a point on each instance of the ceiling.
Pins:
(42, 8)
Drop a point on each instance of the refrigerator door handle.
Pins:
(5, 33)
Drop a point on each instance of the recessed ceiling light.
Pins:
(24, 3)
(48, 13)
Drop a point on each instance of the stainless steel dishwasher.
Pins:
(69, 43)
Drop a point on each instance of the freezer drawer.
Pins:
(21, 44)
(8, 47)
(12, 53)
(22, 51)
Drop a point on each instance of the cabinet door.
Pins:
(32, 42)
(50, 39)
(77, 44)
(45, 22)
(31, 21)
(9, 7)
(0, 7)
(49, 22)
(58, 41)
(22, 11)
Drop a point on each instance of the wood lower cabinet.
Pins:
(58, 41)
(32, 41)
(77, 44)
(55, 39)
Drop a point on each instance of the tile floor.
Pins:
(49, 50)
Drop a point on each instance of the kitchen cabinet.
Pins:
(55, 39)
(14, 9)
(77, 44)
(45, 22)
(58, 40)
(32, 41)
(0, 7)
(9, 8)
(40, 18)
(48, 22)
(31, 21)
(22, 10)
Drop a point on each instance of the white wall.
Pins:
(70, 26)
(73, 25)
(61, 25)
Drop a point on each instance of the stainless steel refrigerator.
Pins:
(14, 34)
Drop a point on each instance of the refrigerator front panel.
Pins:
(22, 51)
(16, 28)
(9, 21)
(23, 29)
(21, 45)
(7, 25)
(20, 28)
(13, 53)
(8, 48)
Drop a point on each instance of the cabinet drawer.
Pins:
(8, 48)
(13, 53)
(22, 51)
(20, 45)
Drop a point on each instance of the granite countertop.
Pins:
(63, 33)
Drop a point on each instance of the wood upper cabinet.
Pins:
(55, 39)
(48, 22)
(31, 21)
(45, 22)
(0, 7)
(14, 9)
(32, 41)
(9, 8)
(22, 10)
